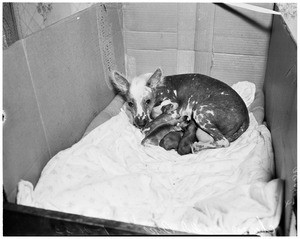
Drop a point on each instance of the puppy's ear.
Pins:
(155, 78)
(120, 82)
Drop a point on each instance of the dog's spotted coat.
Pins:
(213, 105)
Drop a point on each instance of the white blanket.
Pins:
(109, 174)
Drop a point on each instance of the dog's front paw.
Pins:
(167, 108)
(199, 146)
(146, 130)
(150, 141)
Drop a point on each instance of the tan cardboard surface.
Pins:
(226, 42)
(151, 40)
(203, 61)
(115, 27)
(110, 38)
(281, 110)
(241, 46)
(233, 68)
(204, 30)
(148, 61)
(239, 31)
(55, 83)
(150, 17)
(186, 61)
(67, 72)
(186, 17)
(24, 140)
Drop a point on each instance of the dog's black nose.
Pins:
(140, 123)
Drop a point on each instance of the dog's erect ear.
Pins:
(120, 82)
(155, 78)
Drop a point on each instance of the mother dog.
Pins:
(215, 107)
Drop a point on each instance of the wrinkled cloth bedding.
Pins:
(108, 174)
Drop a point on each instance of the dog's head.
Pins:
(139, 94)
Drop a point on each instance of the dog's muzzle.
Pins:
(140, 122)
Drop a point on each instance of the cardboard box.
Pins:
(56, 81)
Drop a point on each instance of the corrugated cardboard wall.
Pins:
(54, 83)
(225, 42)
(281, 112)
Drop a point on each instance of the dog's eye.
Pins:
(148, 102)
(130, 104)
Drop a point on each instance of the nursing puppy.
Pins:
(214, 106)
(171, 140)
(169, 136)
(164, 134)
(188, 139)
(182, 140)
